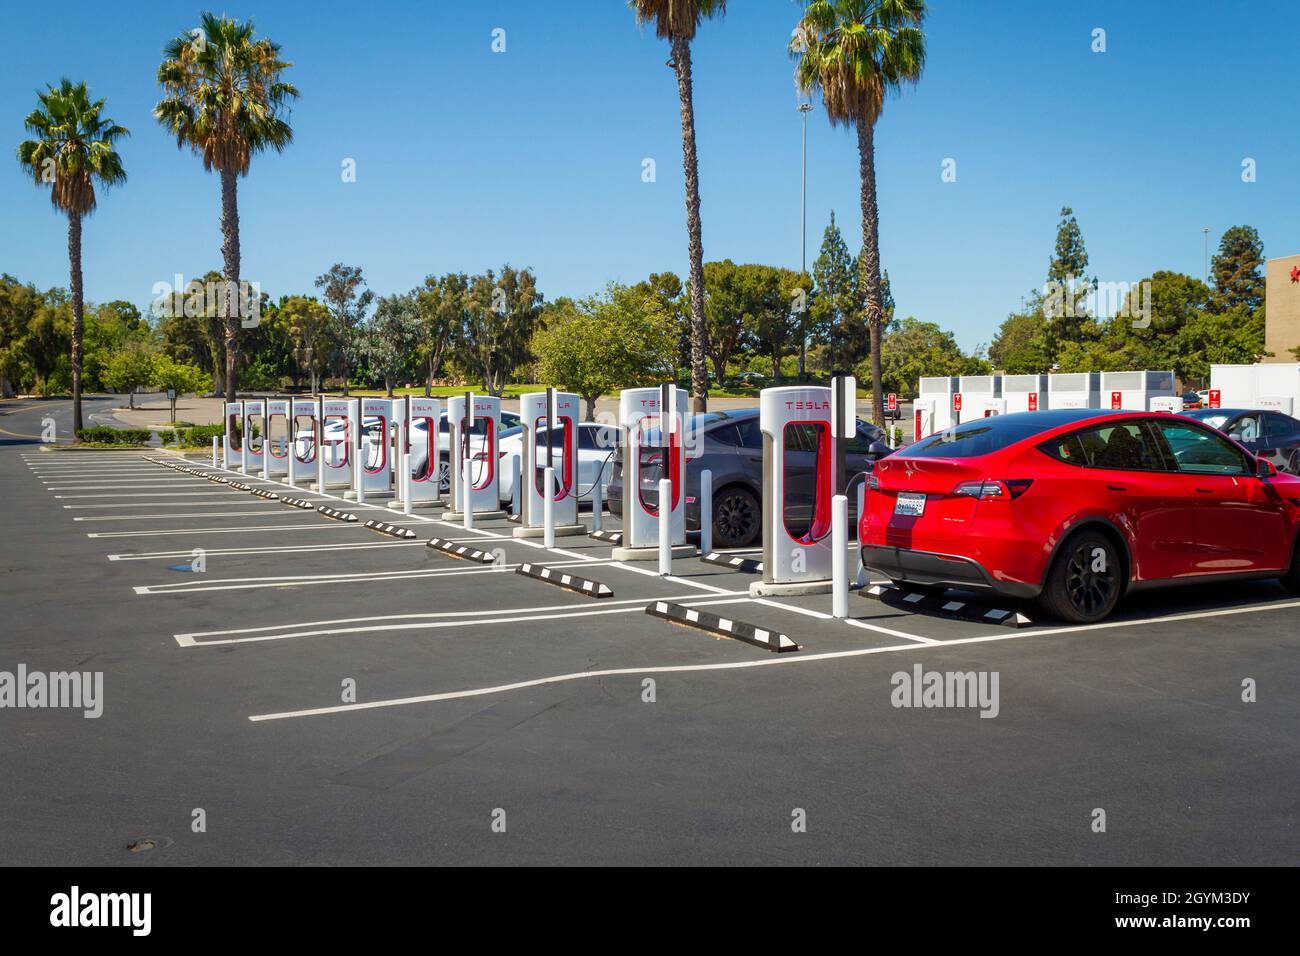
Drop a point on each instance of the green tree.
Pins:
(223, 96)
(193, 329)
(1237, 270)
(1020, 346)
(677, 21)
(74, 148)
(724, 313)
(130, 369)
(621, 339)
(915, 349)
(19, 304)
(500, 321)
(108, 328)
(856, 52)
(1067, 286)
(834, 313)
(393, 335)
(343, 289)
(311, 330)
(770, 299)
(443, 307)
(180, 377)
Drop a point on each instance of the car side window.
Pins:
(1246, 428)
(751, 436)
(1123, 446)
(1199, 451)
(725, 435)
(860, 444)
(1278, 426)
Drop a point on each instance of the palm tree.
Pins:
(74, 148)
(223, 95)
(676, 21)
(855, 52)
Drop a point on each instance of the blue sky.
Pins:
(467, 159)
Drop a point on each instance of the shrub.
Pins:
(104, 435)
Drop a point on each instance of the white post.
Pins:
(706, 512)
(861, 574)
(359, 474)
(597, 505)
(548, 508)
(466, 499)
(839, 556)
(516, 492)
(665, 526)
(404, 462)
(243, 438)
(215, 440)
(293, 450)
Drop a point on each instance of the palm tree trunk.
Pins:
(871, 260)
(681, 48)
(78, 314)
(230, 265)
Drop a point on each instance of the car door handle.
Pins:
(1205, 491)
(1117, 488)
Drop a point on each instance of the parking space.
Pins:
(218, 612)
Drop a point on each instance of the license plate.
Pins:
(910, 504)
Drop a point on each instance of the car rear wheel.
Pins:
(444, 475)
(1084, 583)
(736, 520)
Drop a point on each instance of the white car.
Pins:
(596, 446)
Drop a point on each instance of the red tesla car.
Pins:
(1074, 508)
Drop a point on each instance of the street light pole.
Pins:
(1206, 233)
(804, 109)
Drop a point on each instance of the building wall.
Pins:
(1281, 308)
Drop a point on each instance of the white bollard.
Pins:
(839, 556)
(215, 441)
(466, 510)
(860, 575)
(359, 474)
(548, 508)
(404, 476)
(293, 461)
(516, 491)
(665, 526)
(597, 504)
(706, 512)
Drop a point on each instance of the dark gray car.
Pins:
(732, 449)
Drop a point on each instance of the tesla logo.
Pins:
(1295, 273)
(1116, 400)
(807, 406)
(892, 402)
(1033, 401)
(1215, 397)
(956, 402)
(649, 403)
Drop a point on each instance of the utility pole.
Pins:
(804, 109)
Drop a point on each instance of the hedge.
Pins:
(197, 436)
(103, 435)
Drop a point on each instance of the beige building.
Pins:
(1282, 308)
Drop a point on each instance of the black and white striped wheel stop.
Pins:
(613, 537)
(336, 514)
(561, 579)
(268, 495)
(768, 640)
(394, 530)
(451, 549)
(298, 503)
(938, 604)
(239, 486)
(735, 562)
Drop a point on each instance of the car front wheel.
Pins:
(444, 475)
(736, 519)
(1084, 583)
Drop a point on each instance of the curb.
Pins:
(734, 562)
(453, 550)
(335, 514)
(773, 641)
(537, 572)
(938, 604)
(392, 529)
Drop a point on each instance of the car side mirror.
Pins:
(1264, 468)
(877, 450)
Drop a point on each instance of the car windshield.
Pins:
(1214, 419)
(981, 437)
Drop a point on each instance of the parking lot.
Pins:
(598, 732)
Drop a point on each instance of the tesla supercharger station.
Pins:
(1276, 403)
(799, 455)
(976, 392)
(994, 406)
(922, 418)
(1074, 390)
(374, 448)
(334, 453)
(232, 445)
(278, 444)
(642, 422)
(557, 415)
(304, 438)
(254, 436)
(1025, 393)
(422, 415)
(1133, 391)
(480, 450)
(945, 392)
(1167, 403)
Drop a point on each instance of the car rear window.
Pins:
(1125, 446)
(972, 439)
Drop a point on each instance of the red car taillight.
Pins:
(994, 490)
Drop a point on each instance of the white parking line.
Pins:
(189, 514)
(160, 494)
(323, 526)
(240, 503)
(451, 619)
(273, 549)
(764, 662)
(124, 484)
